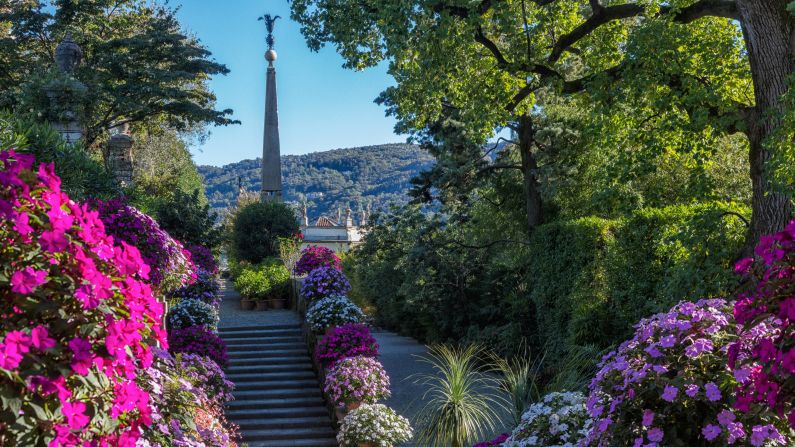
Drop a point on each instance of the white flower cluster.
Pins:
(333, 310)
(374, 424)
(560, 420)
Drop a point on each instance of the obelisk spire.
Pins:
(271, 156)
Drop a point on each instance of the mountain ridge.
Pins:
(355, 177)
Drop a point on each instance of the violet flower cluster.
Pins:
(771, 302)
(200, 341)
(494, 442)
(203, 258)
(324, 281)
(350, 340)
(206, 288)
(315, 256)
(169, 262)
(672, 374)
(357, 379)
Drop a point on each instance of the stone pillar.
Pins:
(63, 93)
(348, 218)
(120, 156)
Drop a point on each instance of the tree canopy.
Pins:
(139, 66)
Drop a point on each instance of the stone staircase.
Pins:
(278, 402)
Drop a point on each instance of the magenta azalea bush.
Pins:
(669, 385)
(357, 379)
(202, 257)
(198, 340)
(170, 263)
(79, 318)
(324, 281)
(350, 340)
(315, 256)
(771, 385)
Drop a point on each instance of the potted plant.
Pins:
(332, 311)
(246, 283)
(373, 425)
(356, 380)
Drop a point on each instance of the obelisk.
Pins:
(271, 156)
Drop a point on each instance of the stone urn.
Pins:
(262, 305)
(246, 304)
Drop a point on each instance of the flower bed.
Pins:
(324, 281)
(350, 340)
(334, 310)
(79, 318)
(771, 302)
(560, 419)
(315, 256)
(192, 312)
(205, 288)
(669, 384)
(202, 257)
(170, 263)
(357, 380)
(373, 424)
(200, 341)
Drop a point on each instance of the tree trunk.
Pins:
(768, 32)
(529, 173)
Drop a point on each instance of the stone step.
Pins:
(268, 343)
(233, 329)
(296, 367)
(297, 421)
(274, 403)
(269, 360)
(282, 434)
(275, 393)
(264, 354)
(275, 376)
(265, 347)
(267, 413)
(278, 385)
(261, 334)
(320, 442)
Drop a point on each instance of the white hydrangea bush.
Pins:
(559, 420)
(374, 424)
(333, 310)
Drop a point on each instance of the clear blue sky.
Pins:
(321, 105)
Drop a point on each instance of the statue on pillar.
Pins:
(120, 156)
(65, 93)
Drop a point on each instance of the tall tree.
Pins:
(138, 64)
(687, 70)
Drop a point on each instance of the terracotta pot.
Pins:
(262, 305)
(350, 406)
(246, 304)
(278, 304)
(340, 413)
(329, 329)
(367, 444)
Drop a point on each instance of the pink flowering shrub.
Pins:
(79, 318)
(357, 379)
(350, 340)
(170, 263)
(771, 302)
(669, 385)
(315, 256)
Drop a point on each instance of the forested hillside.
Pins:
(376, 175)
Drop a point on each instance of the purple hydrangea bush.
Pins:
(669, 385)
(350, 340)
(201, 341)
(324, 281)
(315, 256)
(357, 380)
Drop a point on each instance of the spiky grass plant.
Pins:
(520, 379)
(462, 401)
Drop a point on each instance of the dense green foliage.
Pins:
(139, 66)
(574, 283)
(268, 280)
(187, 217)
(257, 228)
(357, 177)
(82, 174)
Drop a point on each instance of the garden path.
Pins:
(278, 402)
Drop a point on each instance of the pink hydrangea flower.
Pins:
(27, 280)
